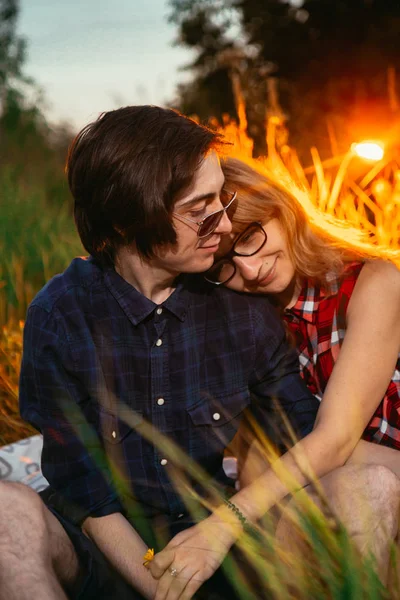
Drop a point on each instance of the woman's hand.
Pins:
(192, 557)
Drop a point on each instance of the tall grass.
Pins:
(322, 563)
(11, 425)
(37, 240)
(354, 199)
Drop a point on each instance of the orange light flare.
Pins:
(369, 150)
(338, 194)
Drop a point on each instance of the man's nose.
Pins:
(248, 266)
(224, 226)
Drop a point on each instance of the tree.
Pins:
(30, 150)
(202, 27)
(12, 49)
(331, 58)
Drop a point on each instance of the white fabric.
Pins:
(21, 462)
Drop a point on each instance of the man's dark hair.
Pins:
(126, 170)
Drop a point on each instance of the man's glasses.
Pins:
(210, 222)
(248, 243)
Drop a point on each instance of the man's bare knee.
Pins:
(10, 490)
(17, 501)
(29, 529)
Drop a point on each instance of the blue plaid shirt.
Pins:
(101, 362)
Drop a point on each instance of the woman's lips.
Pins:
(269, 275)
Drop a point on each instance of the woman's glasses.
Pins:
(209, 224)
(248, 243)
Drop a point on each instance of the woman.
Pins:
(341, 307)
(344, 314)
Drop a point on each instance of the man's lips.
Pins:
(209, 246)
(210, 249)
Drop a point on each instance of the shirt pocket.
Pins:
(219, 411)
(115, 428)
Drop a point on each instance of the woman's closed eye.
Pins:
(247, 239)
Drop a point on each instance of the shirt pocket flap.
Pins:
(115, 428)
(218, 411)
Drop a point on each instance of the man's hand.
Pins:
(192, 557)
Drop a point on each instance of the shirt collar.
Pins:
(136, 306)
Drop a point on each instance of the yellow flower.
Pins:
(148, 557)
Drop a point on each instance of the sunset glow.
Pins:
(368, 150)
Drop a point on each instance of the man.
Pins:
(122, 340)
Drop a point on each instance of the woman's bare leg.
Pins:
(366, 499)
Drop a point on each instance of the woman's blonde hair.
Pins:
(318, 244)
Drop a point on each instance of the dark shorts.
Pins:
(99, 581)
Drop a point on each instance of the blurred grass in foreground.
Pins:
(323, 564)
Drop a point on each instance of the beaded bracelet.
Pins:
(248, 528)
(237, 512)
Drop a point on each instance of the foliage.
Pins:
(335, 62)
(12, 428)
(203, 30)
(36, 229)
(12, 47)
(37, 240)
(32, 153)
(37, 235)
(29, 147)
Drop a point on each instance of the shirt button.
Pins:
(159, 311)
(159, 342)
(216, 416)
(160, 401)
(163, 462)
(114, 434)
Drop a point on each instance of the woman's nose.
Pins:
(248, 266)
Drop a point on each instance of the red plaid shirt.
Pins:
(318, 323)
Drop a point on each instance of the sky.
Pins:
(89, 56)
